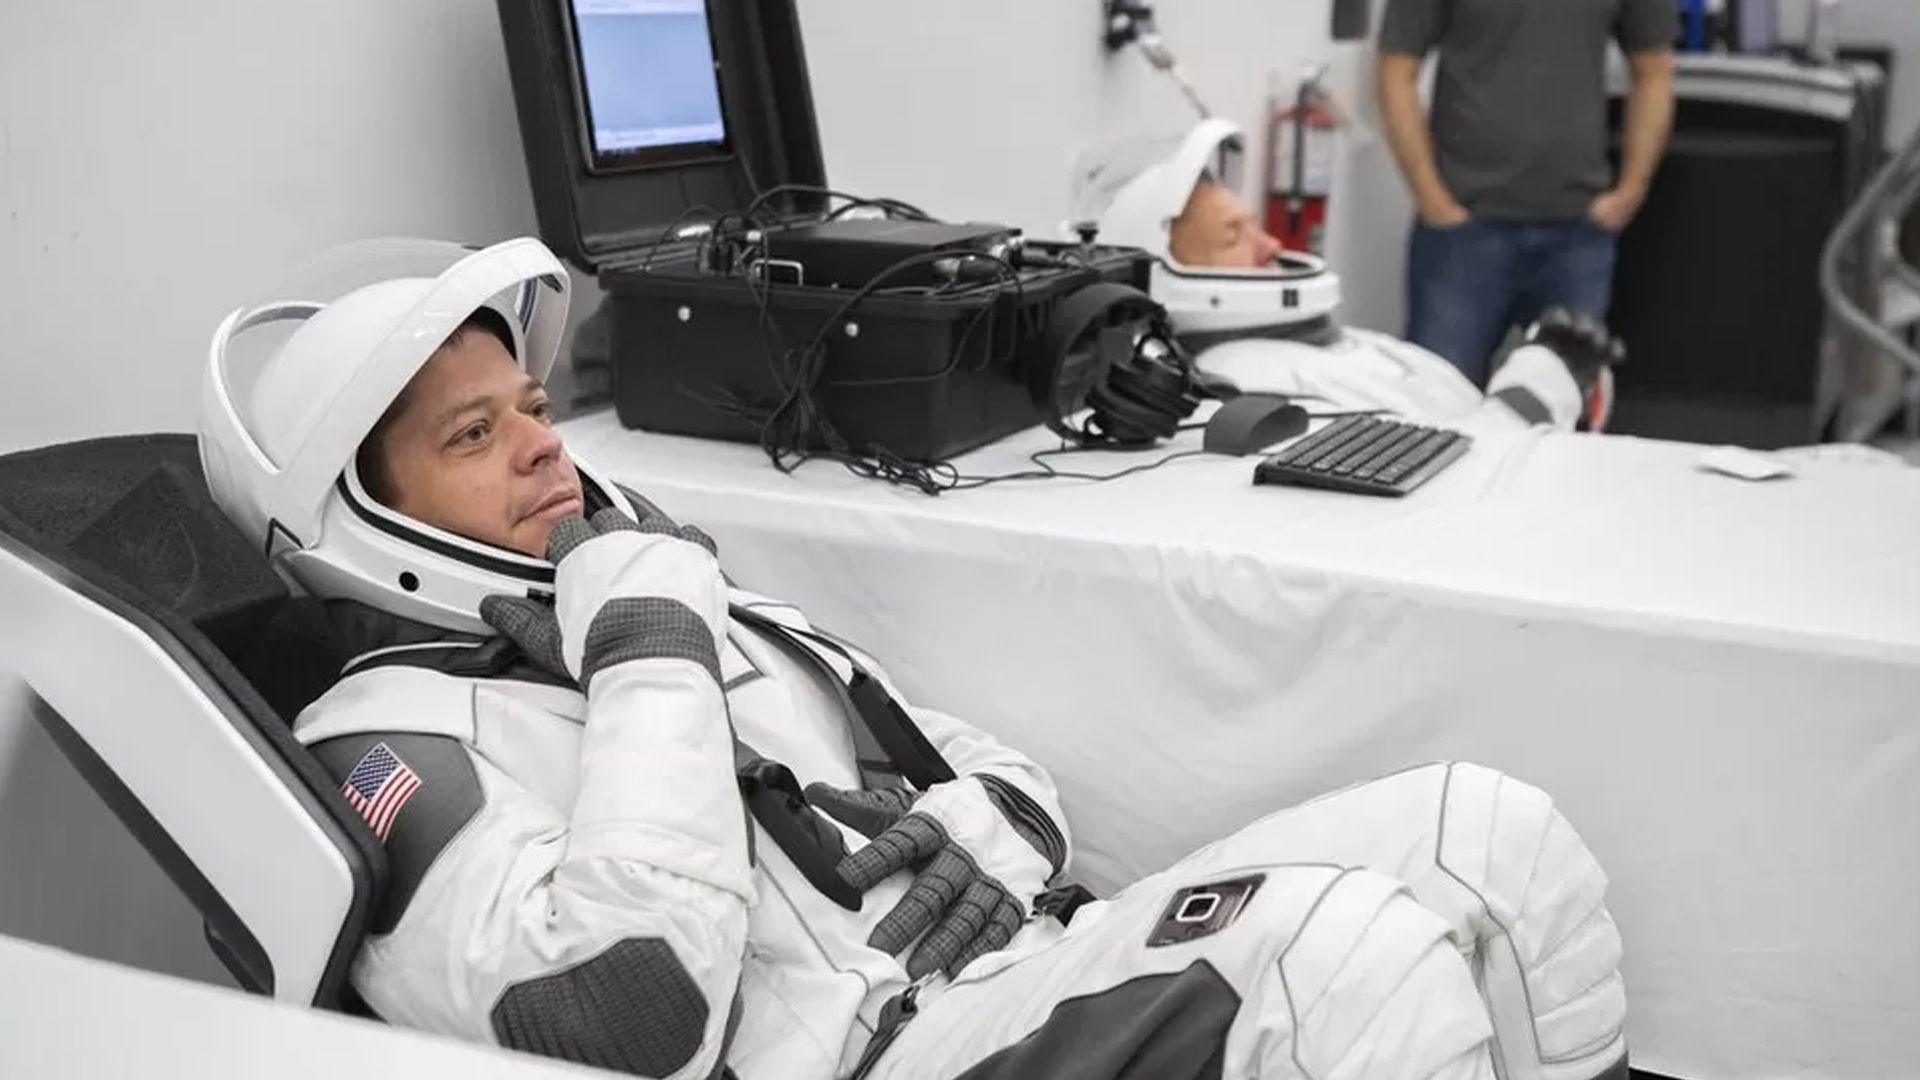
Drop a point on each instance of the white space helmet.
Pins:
(294, 384)
(1133, 189)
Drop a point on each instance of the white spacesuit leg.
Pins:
(1318, 972)
(1322, 951)
(1522, 895)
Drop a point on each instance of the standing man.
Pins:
(1519, 209)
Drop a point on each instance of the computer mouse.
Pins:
(1252, 422)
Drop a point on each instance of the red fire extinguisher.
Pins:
(1301, 140)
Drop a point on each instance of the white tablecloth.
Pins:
(1718, 680)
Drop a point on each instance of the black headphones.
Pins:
(1110, 348)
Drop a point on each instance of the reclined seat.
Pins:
(166, 660)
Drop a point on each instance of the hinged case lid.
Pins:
(606, 185)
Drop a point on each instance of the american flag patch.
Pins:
(379, 786)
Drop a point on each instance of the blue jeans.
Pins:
(1467, 285)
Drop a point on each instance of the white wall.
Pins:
(1894, 22)
(1372, 210)
(977, 110)
(1873, 22)
(160, 162)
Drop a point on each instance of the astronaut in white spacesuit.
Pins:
(638, 817)
(1264, 319)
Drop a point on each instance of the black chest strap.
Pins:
(889, 748)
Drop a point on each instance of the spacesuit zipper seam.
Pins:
(1022, 805)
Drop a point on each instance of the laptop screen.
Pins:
(649, 82)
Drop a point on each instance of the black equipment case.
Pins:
(704, 346)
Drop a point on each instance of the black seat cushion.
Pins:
(167, 538)
(132, 514)
(295, 655)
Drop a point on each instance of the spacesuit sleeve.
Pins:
(609, 931)
(1019, 787)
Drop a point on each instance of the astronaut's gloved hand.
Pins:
(622, 591)
(1590, 351)
(1582, 341)
(976, 870)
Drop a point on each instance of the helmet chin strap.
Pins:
(414, 570)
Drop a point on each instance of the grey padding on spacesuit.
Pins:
(531, 625)
(624, 628)
(868, 812)
(646, 628)
(633, 1008)
(1525, 403)
(448, 797)
(1581, 341)
(1171, 1026)
(661, 525)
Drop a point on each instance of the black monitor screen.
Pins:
(648, 80)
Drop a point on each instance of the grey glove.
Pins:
(635, 607)
(1582, 342)
(970, 912)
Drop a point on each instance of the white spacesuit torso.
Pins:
(810, 986)
(1364, 370)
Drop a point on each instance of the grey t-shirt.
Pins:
(1519, 111)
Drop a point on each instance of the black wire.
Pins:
(1047, 472)
(788, 445)
(653, 249)
(1007, 272)
(792, 424)
(904, 209)
(794, 430)
(788, 450)
(746, 165)
(790, 429)
(850, 207)
(893, 207)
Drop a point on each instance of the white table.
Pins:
(1719, 681)
(66, 1017)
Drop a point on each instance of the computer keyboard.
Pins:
(1365, 455)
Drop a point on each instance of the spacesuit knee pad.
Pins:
(1342, 973)
(1367, 983)
(1549, 963)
